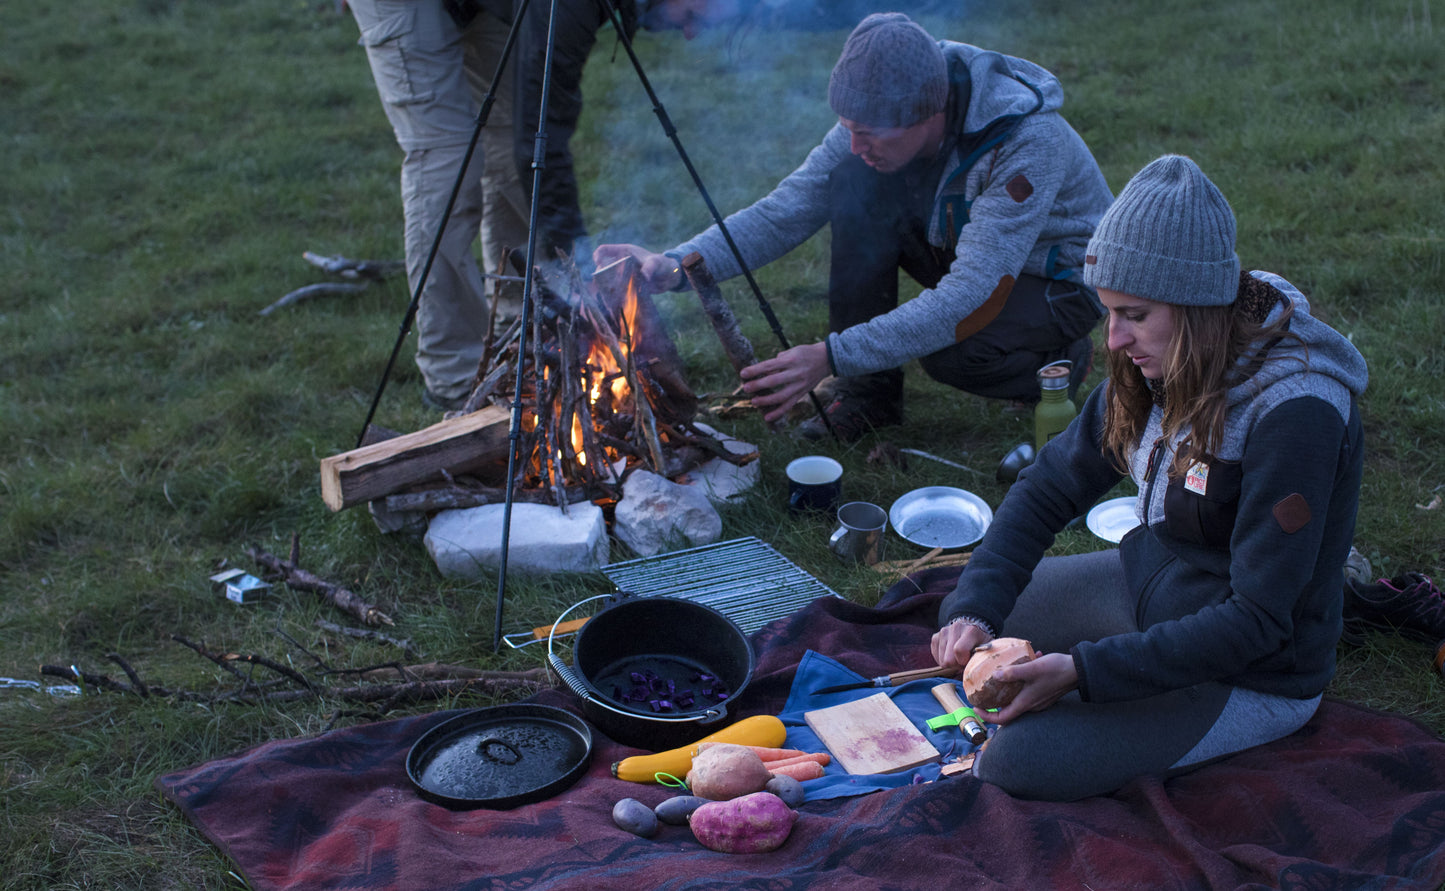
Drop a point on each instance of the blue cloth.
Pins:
(816, 671)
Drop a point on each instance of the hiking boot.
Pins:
(1409, 604)
(859, 404)
(442, 403)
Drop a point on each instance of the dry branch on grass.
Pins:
(299, 579)
(391, 685)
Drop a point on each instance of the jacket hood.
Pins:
(989, 86)
(1299, 363)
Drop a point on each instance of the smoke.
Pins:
(748, 101)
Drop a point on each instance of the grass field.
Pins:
(167, 163)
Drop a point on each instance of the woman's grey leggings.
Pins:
(1074, 749)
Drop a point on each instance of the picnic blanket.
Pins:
(1356, 799)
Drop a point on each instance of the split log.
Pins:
(455, 445)
(458, 497)
(738, 348)
(299, 579)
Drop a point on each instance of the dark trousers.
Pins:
(880, 225)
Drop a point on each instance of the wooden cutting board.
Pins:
(871, 736)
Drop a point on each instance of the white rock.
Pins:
(655, 513)
(724, 482)
(467, 543)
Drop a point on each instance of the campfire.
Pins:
(603, 397)
(604, 393)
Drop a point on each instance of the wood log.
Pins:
(455, 445)
(738, 348)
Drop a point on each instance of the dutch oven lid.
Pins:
(500, 757)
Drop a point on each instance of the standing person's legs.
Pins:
(574, 32)
(505, 209)
(416, 56)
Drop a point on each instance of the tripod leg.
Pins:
(410, 315)
(671, 131)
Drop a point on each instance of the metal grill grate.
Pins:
(744, 579)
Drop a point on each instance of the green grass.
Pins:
(167, 163)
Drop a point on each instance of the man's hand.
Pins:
(1045, 679)
(661, 272)
(781, 381)
(955, 643)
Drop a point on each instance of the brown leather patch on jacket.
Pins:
(977, 320)
(1292, 513)
(1019, 188)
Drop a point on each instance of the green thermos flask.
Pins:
(1054, 411)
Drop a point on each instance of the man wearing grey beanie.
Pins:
(951, 163)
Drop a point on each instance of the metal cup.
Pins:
(814, 483)
(859, 536)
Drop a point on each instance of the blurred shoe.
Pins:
(859, 405)
(1409, 604)
(442, 403)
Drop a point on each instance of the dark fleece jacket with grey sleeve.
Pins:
(1019, 193)
(1236, 568)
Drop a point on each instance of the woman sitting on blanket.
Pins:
(1213, 626)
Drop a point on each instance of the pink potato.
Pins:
(752, 824)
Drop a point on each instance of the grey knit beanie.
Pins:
(1169, 237)
(891, 73)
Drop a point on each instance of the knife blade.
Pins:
(890, 680)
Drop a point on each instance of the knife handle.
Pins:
(947, 696)
(937, 671)
(972, 728)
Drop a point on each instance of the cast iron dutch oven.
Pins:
(657, 672)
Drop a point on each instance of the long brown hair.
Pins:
(1213, 348)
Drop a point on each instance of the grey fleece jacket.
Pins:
(1020, 187)
(1237, 566)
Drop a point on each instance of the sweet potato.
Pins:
(727, 771)
(979, 685)
(752, 824)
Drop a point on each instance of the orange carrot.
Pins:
(798, 770)
(764, 752)
(823, 759)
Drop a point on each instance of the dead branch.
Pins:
(738, 348)
(299, 579)
(371, 270)
(441, 671)
(366, 634)
(320, 289)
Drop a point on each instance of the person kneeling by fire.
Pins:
(953, 164)
(1212, 627)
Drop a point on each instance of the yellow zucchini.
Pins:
(759, 730)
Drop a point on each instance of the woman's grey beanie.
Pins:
(1169, 237)
(891, 73)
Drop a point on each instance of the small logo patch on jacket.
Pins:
(1292, 513)
(1019, 188)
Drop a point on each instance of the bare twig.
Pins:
(299, 579)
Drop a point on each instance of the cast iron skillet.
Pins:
(500, 757)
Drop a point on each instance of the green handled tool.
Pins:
(958, 715)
